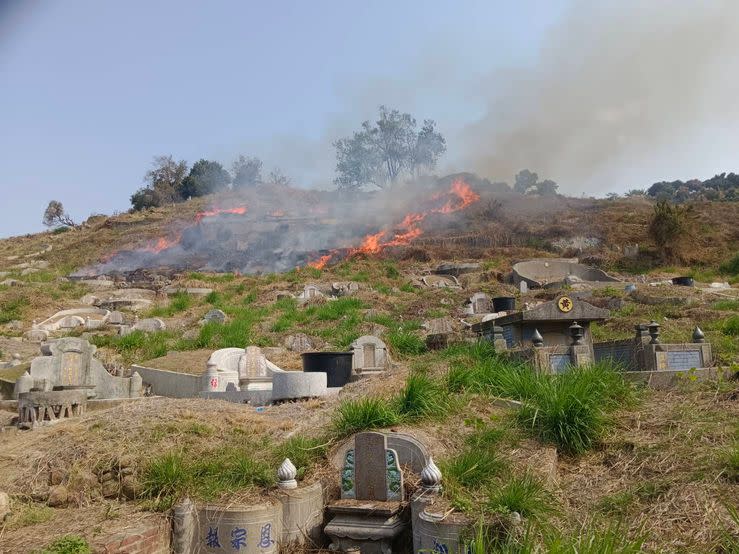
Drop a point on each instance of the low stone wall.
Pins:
(169, 383)
(667, 379)
(151, 536)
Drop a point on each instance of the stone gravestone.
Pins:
(371, 470)
(370, 355)
(368, 516)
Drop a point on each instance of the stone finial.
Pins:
(537, 339)
(576, 332)
(286, 474)
(654, 332)
(431, 477)
(698, 335)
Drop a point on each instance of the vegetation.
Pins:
(670, 227)
(363, 414)
(69, 544)
(527, 182)
(722, 187)
(381, 153)
(54, 216)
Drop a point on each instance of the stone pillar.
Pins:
(184, 528)
(135, 385)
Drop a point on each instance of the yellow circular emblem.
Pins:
(565, 304)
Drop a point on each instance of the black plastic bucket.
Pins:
(504, 304)
(336, 365)
(683, 281)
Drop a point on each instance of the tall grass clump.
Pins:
(730, 267)
(525, 495)
(179, 302)
(572, 410)
(422, 398)
(731, 464)
(336, 309)
(363, 414)
(730, 326)
(302, 451)
(611, 540)
(403, 341)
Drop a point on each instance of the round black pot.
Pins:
(683, 281)
(504, 304)
(336, 365)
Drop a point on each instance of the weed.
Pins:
(422, 397)
(136, 345)
(731, 463)
(525, 495)
(406, 342)
(407, 287)
(730, 326)
(472, 469)
(13, 309)
(726, 305)
(179, 302)
(331, 311)
(730, 267)
(611, 540)
(363, 414)
(383, 289)
(69, 544)
(302, 452)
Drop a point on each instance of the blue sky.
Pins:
(90, 91)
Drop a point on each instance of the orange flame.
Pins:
(458, 197)
(241, 210)
(162, 243)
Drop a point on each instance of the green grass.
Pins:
(336, 309)
(730, 326)
(302, 451)
(171, 475)
(422, 398)
(726, 305)
(179, 302)
(569, 410)
(730, 267)
(13, 309)
(137, 345)
(363, 414)
(405, 342)
(525, 495)
(69, 544)
(731, 464)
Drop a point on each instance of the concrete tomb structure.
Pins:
(70, 319)
(555, 272)
(369, 515)
(38, 407)
(370, 355)
(68, 364)
(310, 291)
(553, 335)
(238, 375)
(556, 335)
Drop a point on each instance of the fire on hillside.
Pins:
(264, 234)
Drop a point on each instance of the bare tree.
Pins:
(277, 177)
(246, 171)
(54, 215)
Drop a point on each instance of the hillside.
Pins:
(662, 468)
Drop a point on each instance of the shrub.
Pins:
(363, 414)
(69, 544)
(670, 227)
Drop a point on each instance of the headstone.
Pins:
(89, 299)
(70, 322)
(149, 325)
(215, 315)
(344, 288)
(370, 355)
(480, 303)
(376, 471)
(299, 343)
(116, 318)
(523, 287)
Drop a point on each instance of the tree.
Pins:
(382, 152)
(205, 177)
(525, 180)
(166, 177)
(277, 177)
(247, 172)
(54, 215)
(546, 188)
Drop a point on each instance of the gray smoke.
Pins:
(622, 92)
